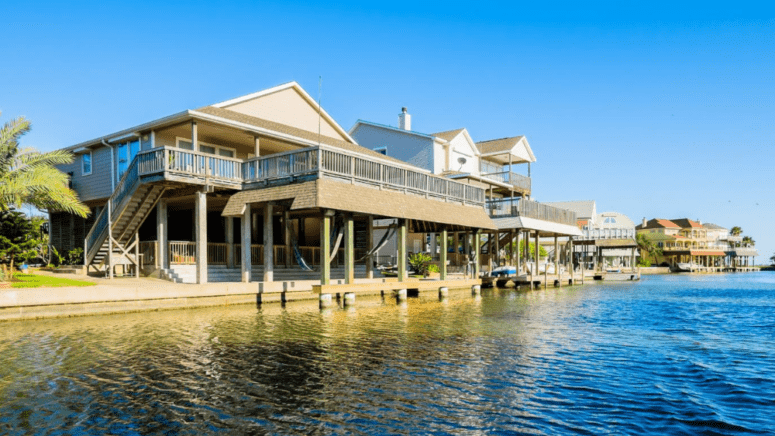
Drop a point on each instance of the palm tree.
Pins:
(28, 176)
(736, 231)
(647, 246)
(748, 241)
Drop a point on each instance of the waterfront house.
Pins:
(684, 240)
(238, 190)
(489, 165)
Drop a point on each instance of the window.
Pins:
(381, 150)
(206, 148)
(86, 164)
(125, 153)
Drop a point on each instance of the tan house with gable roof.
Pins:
(243, 189)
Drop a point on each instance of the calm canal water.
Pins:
(668, 355)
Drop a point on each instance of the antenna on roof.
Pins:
(320, 90)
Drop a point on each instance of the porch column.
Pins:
(537, 249)
(229, 242)
(497, 248)
(349, 249)
(200, 231)
(325, 248)
(632, 258)
(527, 246)
(456, 244)
(478, 252)
(443, 256)
(194, 136)
(370, 246)
(257, 146)
(287, 234)
(245, 245)
(162, 248)
(556, 255)
(518, 254)
(268, 242)
(401, 235)
(570, 261)
(434, 246)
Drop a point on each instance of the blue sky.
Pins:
(653, 110)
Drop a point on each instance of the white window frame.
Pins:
(217, 148)
(91, 164)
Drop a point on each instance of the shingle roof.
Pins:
(658, 223)
(686, 223)
(583, 208)
(496, 145)
(448, 135)
(294, 131)
(712, 226)
(658, 237)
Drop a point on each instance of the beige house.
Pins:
(240, 190)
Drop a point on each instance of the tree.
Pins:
(736, 231)
(28, 176)
(647, 246)
(541, 250)
(748, 241)
(20, 238)
(772, 260)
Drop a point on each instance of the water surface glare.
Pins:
(668, 355)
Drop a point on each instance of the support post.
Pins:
(268, 242)
(257, 146)
(287, 236)
(349, 249)
(556, 255)
(200, 230)
(478, 252)
(245, 245)
(518, 253)
(137, 255)
(370, 238)
(325, 248)
(162, 247)
(497, 248)
(443, 256)
(401, 234)
(229, 242)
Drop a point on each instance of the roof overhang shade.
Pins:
(501, 150)
(544, 228)
(706, 253)
(330, 194)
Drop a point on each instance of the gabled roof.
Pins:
(686, 223)
(299, 133)
(448, 135)
(290, 85)
(711, 226)
(584, 208)
(658, 223)
(392, 128)
(516, 145)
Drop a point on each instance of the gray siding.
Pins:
(413, 149)
(96, 185)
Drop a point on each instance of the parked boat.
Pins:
(686, 267)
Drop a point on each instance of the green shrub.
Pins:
(644, 262)
(433, 268)
(74, 257)
(420, 262)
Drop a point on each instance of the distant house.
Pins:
(489, 165)
(684, 240)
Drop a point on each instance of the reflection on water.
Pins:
(668, 355)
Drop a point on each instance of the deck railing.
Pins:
(530, 209)
(321, 160)
(518, 181)
(607, 234)
(148, 252)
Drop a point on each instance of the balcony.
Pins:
(596, 234)
(518, 181)
(530, 209)
(186, 166)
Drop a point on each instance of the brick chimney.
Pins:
(404, 120)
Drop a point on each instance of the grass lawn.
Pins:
(34, 281)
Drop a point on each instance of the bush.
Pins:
(56, 258)
(644, 262)
(433, 268)
(420, 262)
(74, 257)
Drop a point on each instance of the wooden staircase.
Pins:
(113, 240)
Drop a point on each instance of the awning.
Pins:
(545, 228)
(706, 253)
(343, 196)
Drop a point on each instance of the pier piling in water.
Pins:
(400, 294)
(326, 301)
(443, 292)
(476, 289)
(349, 298)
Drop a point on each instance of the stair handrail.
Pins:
(101, 224)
